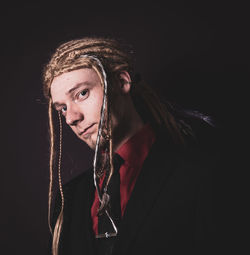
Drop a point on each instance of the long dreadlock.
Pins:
(108, 59)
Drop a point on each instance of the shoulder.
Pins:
(74, 189)
(81, 181)
(201, 152)
(76, 186)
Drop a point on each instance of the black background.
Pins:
(193, 54)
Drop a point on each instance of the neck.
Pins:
(128, 127)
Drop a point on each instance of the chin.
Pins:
(91, 141)
(92, 145)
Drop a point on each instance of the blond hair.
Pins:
(115, 58)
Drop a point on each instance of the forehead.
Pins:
(66, 81)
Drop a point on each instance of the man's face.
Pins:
(78, 95)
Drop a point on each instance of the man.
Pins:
(151, 191)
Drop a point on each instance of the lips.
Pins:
(85, 131)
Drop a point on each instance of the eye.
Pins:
(63, 109)
(83, 94)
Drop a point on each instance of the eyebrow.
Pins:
(77, 85)
(70, 91)
(57, 105)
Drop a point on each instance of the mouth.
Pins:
(86, 130)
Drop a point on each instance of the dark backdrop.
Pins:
(194, 55)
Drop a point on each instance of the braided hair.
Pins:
(108, 58)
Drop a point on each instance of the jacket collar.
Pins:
(157, 167)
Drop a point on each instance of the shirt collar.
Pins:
(135, 150)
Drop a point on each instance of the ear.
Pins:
(125, 82)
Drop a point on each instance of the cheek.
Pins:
(94, 106)
(74, 129)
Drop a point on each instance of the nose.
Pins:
(74, 115)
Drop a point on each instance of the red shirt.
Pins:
(133, 152)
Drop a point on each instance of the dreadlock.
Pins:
(114, 58)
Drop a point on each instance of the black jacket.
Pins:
(173, 208)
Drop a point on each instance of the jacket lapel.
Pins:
(78, 199)
(157, 167)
